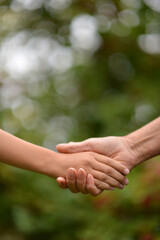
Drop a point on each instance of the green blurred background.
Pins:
(71, 70)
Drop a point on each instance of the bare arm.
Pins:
(145, 142)
(22, 154)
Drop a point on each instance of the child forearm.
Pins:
(22, 154)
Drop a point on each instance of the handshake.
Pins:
(97, 164)
(104, 162)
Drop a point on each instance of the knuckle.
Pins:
(106, 187)
(109, 171)
(99, 185)
(87, 145)
(103, 177)
(90, 143)
(109, 162)
(103, 186)
(72, 148)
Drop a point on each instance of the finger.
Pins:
(106, 179)
(81, 181)
(91, 187)
(73, 147)
(112, 163)
(111, 172)
(62, 182)
(71, 176)
(102, 185)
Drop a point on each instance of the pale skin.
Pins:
(130, 150)
(19, 153)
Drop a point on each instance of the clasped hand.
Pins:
(116, 156)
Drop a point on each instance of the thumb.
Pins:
(62, 182)
(73, 147)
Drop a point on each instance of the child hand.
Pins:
(79, 182)
(107, 172)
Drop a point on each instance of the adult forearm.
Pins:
(145, 142)
(22, 154)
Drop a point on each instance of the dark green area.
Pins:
(109, 91)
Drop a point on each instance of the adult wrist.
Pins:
(133, 146)
(137, 147)
(146, 141)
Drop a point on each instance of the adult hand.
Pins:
(117, 148)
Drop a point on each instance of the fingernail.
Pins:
(126, 171)
(126, 181)
(111, 188)
(121, 186)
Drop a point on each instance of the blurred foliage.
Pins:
(70, 70)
